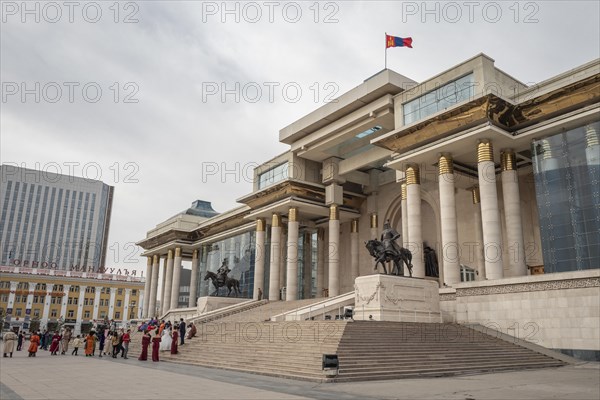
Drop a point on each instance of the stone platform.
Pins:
(396, 298)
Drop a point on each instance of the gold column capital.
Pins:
(170, 254)
(475, 194)
(260, 225)
(354, 226)
(334, 212)
(149, 263)
(177, 251)
(403, 192)
(276, 221)
(374, 220)
(412, 175)
(293, 214)
(508, 160)
(546, 149)
(195, 253)
(485, 151)
(445, 164)
(155, 259)
(591, 136)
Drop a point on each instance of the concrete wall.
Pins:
(559, 311)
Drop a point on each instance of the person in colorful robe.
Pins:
(174, 341)
(146, 339)
(155, 345)
(55, 344)
(90, 344)
(34, 342)
(66, 338)
(9, 340)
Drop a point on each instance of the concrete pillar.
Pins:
(153, 287)
(490, 214)
(29, 303)
(176, 279)
(111, 302)
(413, 209)
(203, 270)
(374, 226)
(307, 266)
(79, 317)
(275, 255)
(97, 291)
(320, 261)
(404, 209)
(168, 283)
(334, 251)
(479, 258)
(163, 284)
(292, 255)
(126, 305)
(65, 299)
(194, 279)
(259, 259)
(354, 249)
(47, 302)
(449, 228)
(283, 256)
(147, 286)
(512, 214)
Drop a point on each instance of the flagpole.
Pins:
(385, 42)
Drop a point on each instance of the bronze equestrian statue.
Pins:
(387, 249)
(220, 279)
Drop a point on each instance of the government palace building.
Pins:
(493, 186)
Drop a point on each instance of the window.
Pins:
(132, 303)
(120, 292)
(86, 314)
(70, 314)
(90, 289)
(5, 285)
(18, 312)
(103, 314)
(273, 175)
(119, 303)
(439, 99)
(74, 289)
(117, 315)
(101, 302)
(4, 298)
(134, 292)
(23, 286)
(36, 299)
(53, 313)
(59, 288)
(56, 300)
(36, 313)
(40, 286)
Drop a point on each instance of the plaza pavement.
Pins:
(69, 377)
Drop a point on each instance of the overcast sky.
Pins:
(166, 64)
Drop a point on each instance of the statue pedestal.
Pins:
(396, 298)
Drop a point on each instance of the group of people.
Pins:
(164, 336)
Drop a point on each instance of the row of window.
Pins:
(18, 312)
(60, 288)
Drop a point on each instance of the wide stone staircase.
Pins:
(366, 350)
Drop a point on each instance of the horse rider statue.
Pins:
(222, 272)
(388, 238)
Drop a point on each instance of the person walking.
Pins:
(155, 345)
(76, 343)
(9, 339)
(126, 339)
(55, 343)
(182, 331)
(174, 341)
(108, 347)
(146, 338)
(90, 344)
(66, 338)
(101, 341)
(34, 342)
(20, 341)
(115, 344)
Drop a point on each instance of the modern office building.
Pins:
(497, 180)
(50, 220)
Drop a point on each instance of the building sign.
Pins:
(28, 266)
(115, 274)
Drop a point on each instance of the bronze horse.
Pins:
(231, 283)
(381, 256)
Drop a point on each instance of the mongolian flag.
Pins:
(395, 41)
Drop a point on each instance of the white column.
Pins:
(275, 255)
(292, 256)
(259, 259)
(79, 317)
(147, 284)
(194, 279)
(490, 214)
(11, 296)
(354, 249)
(404, 208)
(334, 251)
(413, 209)
(153, 287)
(168, 283)
(111, 303)
(126, 305)
(163, 284)
(65, 299)
(307, 267)
(204, 260)
(512, 214)
(176, 279)
(450, 251)
(479, 259)
(47, 301)
(374, 226)
(320, 261)
(97, 292)
(29, 303)
(283, 256)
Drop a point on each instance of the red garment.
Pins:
(145, 343)
(126, 338)
(55, 343)
(174, 342)
(155, 345)
(34, 343)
